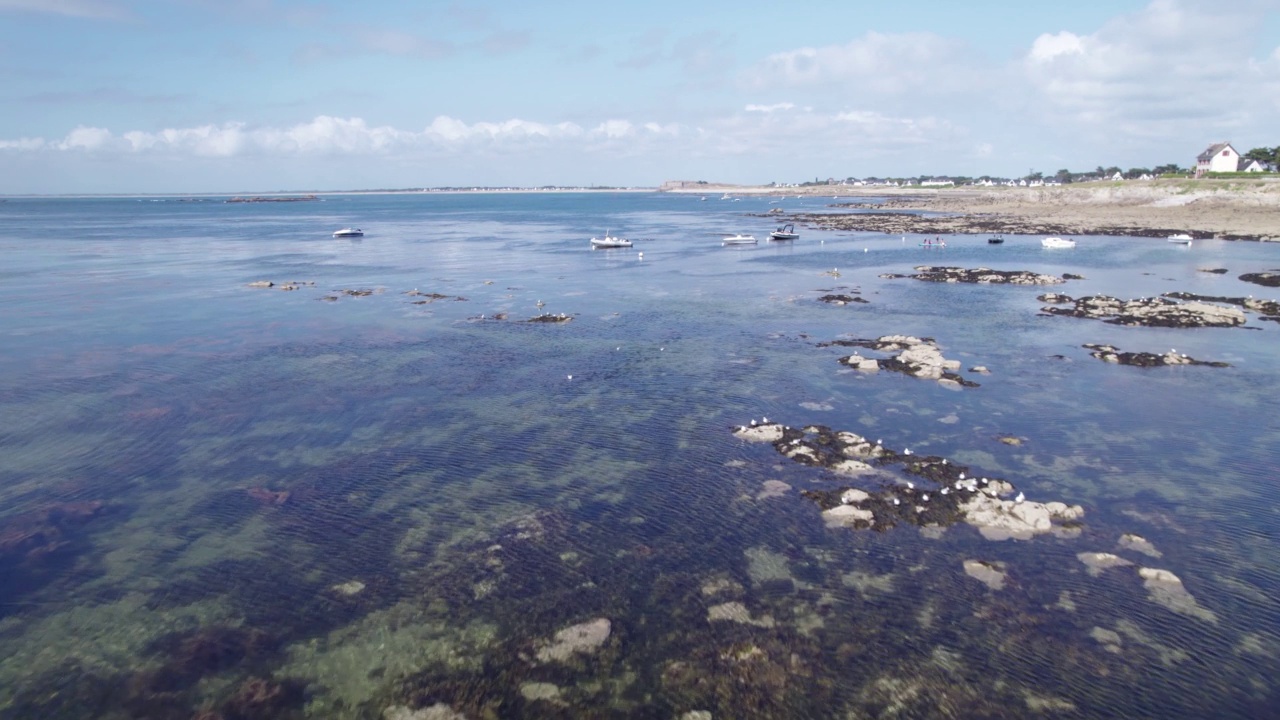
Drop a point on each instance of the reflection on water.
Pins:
(235, 502)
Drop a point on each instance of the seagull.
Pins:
(944, 462)
(911, 485)
(895, 501)
(753, 422)
(984, 481)
(906, 451)
(959, 484)
(1020, 498)
(570, 377)
(961, 476)
(946, 490)
(877, 442)
(924, 497)
(764, 419)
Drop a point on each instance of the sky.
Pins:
(121, 96)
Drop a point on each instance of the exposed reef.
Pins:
(1268, 309)
(1109, 353)
(982, 275)
(918, 357)
(1147, 312)
(551, 318)
(1266, 279)
(902, 488)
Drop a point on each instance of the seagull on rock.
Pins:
(1020, 498)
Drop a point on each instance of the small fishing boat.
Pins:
(936, 242)
(786, 232)
(1180, 239)
(348, 232)
(997, 240)
(1057, 242)
(739, 240)
(609, 241)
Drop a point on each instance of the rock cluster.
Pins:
(551, 318)
(1148, 312)
(1268, 309)
(1109, 353)
(841, 299)
(979, 275)
(935, 491)
(918, 357)
(1266, 279)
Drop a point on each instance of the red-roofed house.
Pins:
(1220, 157)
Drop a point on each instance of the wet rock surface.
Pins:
(1268, 309)
(1148, 312)
(981, 275)
(841, 299)
(551, 318)
(904, 488)
(1109, 353)
(917, 357)
(1266, 279)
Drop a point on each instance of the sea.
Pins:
(466, 466)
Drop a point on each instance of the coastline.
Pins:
(1226, 209)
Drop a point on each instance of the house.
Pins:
(1219, 157)
(1118, 176)
(1247, 165)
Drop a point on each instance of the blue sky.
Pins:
(258, 95)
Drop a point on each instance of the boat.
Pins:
(1181, 239)
(939, 242)
(997, 240)
(725, 197)
(349, 232)
(609, 241)
(1057, 242)
(786, 232)
(739, 240)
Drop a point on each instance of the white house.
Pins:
(1118, 176)
(1247, 165)
(1219, 157)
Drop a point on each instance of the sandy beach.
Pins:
(1228, 209)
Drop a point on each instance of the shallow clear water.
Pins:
(370, 503)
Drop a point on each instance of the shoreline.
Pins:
(1224, 209)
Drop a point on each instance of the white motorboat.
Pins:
(786, 232)
(1180, 239)
(739, 240)
(348, 232)
(1057, 242)
(609, 241)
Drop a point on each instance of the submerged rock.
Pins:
(738, 613)
(1150, 312)
(1138, 544)
(838, 299)
(439, 711)
(1109, 353)
(581, 638)
(1165, 588)
(551, 318)
(990, 574)
(1099, 561)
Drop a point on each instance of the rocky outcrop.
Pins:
(902, 487)
(551, 318)
(918, 357)
(1108, 353)
(982, 275)
(1149, 312)
(1266, 279)
(840, 299)
(1268, 309)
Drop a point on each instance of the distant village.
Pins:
(1218, 160)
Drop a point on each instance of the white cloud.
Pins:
(327, 135)
(1176, 67)
(770, 108)
(890, 64)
